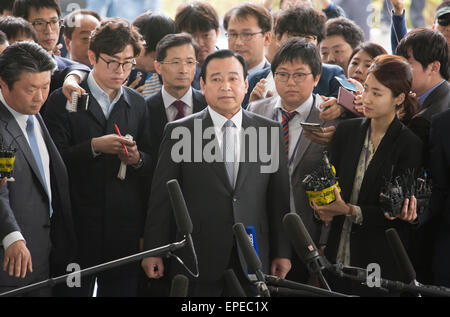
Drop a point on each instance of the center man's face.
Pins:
(225, 86)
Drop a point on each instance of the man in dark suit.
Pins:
(427, 52)
(249, 27)
(109, 208)
(176, 59)
(220, 192)
(296, 57)
(310, 24)
(45, 16)
(36, 228)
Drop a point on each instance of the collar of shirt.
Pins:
(258, 67)
(219, 120)
(302, 111)
(101, 96)
(168, 99)
(20, 118)
(429, 91)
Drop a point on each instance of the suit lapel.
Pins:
(19, 138)
(94, 107)
(161, 112)
(382, 153)
(243, 167)
(199, 103)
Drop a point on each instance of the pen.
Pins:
(118, 133)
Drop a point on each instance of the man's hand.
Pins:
(72, 84)
(153, 267)
(336, 208)
(57, 49)
(111, 144)
(3, 181)
(323, 137)
(280, 267)
(331, 110)
(133, 85)
(133, 155)
(398, 6)
(18, 258)
(259, 91)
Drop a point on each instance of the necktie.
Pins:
(35, 149)
(180, 108)
(228, 149)
(286, 117)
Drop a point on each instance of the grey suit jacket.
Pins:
(24, 204)
(307, 159)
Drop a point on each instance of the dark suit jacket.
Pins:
(258, 199)
(158, 117)
(439, 210)
(24, 204)
(399, 149)
(327, 86)
(109, 214)
(437, 102)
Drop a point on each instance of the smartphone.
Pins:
(312, 127)
(346, 99)
(346, 84)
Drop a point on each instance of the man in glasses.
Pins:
(249, 28)
(297, 68)
(109, 209)
(45, 16)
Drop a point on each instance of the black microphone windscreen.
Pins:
(401, 256)
(232, 283)
(182, 219)
(180, 286)
(299, 237)
(249, 253)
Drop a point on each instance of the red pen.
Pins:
(118, 133)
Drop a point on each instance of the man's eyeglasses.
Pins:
(114, 66)
(298, 77)
(41, 26)
(308, 37)
(179, 63)
(243, 36)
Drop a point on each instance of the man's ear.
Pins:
(92, 57)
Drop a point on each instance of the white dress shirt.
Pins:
(21, 120)
(172, 111)
(218, 122)
(258, 67)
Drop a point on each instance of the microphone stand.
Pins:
(167, 249)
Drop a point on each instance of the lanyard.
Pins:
(291, 160)
(367, 148)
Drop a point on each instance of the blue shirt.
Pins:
(428, 92)
(102, 97)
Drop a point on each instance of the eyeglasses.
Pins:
(41, 26)
(308, 37)
(243, 36)
(113, 65)
(298, 77)
(177, 64)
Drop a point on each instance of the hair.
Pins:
(197, 16)
(395, 73)
(246, 9)
(3, 38)
(6, 5)
(298, 48)
(24, 57)
(427, 47)
(69, 20)
(346, 28)
(14, 27)
(153, 26)
(22, 7)
(301, 20)
(113, 36)
(372, 49)
(222, 54)
(174, 40)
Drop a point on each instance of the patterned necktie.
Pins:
(286, 117)
(35, 149)
(228, 149)
(180, 108)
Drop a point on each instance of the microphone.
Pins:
(401, 257)
(180, 286)
(250, 256)
(232, 283)
(182, 218)
(304, 246)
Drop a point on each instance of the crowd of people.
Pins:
(134, 104)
